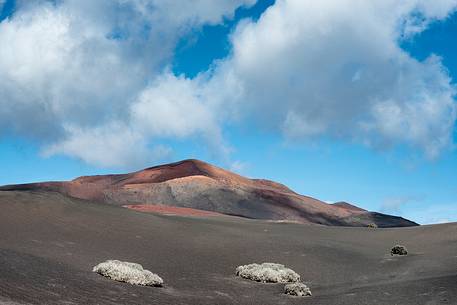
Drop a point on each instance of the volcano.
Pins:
(196, 185)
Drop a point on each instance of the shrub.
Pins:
(372, 225)
(398, 250)
(268, 273)
(128, 272)
(297, 289)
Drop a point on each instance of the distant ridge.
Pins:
(198, 185)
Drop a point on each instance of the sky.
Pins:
(340, 100)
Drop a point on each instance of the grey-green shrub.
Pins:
(131, 273)
(398, 250)
(297, 289)
(268, 273)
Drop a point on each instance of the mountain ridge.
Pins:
(199, 185)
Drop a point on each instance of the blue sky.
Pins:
(340, 104)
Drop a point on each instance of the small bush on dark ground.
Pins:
(398, 250)
(297, 289)
(268, 273)
(131, 273)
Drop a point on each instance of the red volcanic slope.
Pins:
(169, 210)
(198, 185)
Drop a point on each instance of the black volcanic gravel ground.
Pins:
(49, 244)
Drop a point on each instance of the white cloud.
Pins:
(57, 69)
(189, 12)
(311, 68)
(178, 107)
(173, 97)
(112, 145)
(80, 83)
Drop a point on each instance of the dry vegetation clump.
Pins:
(131, 273)
(268, 273)
(398, 250)
(297, 289)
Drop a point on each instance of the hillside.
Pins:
(198, 185)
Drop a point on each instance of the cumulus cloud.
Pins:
(110, 145)
(190, 12)
(177, 107)
(81, 84)
(58, 70)
(173, 97)
(312, 68)
(100, 89)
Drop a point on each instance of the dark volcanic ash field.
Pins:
(49, 244)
